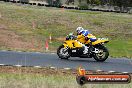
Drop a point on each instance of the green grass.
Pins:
(58, 22)
(48, 81)
(125, 48)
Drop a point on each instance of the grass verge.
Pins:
(28, 77)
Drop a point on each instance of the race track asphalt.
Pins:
(50, 59)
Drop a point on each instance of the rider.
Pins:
(84, 36)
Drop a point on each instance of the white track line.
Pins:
(18, 65)
(111, 71)
(52, 67)
(98, 70)
(63, 68)
(125, 72)
(4, 50)
(37, 66)
(67, 68)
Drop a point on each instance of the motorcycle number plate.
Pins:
(73, 50)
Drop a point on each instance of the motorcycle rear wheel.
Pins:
(63, 53)
(103, 55)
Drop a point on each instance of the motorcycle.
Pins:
(74, 48)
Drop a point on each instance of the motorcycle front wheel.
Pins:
(102, 55)
(63, 52)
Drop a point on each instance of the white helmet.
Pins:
(79, 30)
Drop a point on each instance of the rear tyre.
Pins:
(102, 55)
(63, 53)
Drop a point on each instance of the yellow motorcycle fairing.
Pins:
(72, 44)
(100, 40)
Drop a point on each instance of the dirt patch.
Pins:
(45, 71)
(3, 27)
(10, 39)
(33, 70)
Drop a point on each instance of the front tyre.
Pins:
(102, 55)
(63, 52)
